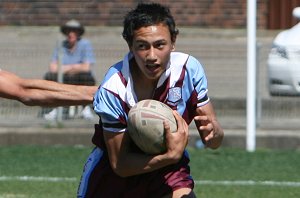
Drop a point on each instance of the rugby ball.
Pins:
(145, 125)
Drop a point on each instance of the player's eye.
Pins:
(142, 46)
(160, 45)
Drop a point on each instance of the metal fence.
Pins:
(26, 51)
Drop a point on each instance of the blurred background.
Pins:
(214, 31)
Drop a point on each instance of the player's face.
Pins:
(151, 48)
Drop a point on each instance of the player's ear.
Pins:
(173, 47)
(173, 43)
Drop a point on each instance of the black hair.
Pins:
(146, 15)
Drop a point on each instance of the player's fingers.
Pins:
(207, 127)
(182, 127)
(181, 124)
(178, 119)
(201, 118)
(209, 136)
(167, 126)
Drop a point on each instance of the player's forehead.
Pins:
(152, 33)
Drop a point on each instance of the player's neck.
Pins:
(144, 88)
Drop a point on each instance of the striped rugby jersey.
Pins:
(183, 87)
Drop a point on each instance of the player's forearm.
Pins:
(135, 164)
(85, 93)
(10, 85)
(45, 85)
(52, 99)
(48, 93)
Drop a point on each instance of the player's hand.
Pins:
(208, 130)
(205, 128)
(176, 141)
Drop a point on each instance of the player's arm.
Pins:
(126, 163)
(209, 128)
(35, 92)
(10, 85)
(49, 93)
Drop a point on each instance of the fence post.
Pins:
(60, 76)
(258, 89)
(251, 78)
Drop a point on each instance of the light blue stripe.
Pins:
(89, 166)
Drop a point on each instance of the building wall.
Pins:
(280, 13)
(202, 13)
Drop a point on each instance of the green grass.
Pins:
(41, 161)
(218, 165)
(232, 165)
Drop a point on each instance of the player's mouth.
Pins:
(152, 67)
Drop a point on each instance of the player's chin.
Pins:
(154, 75)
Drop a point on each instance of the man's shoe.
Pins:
(52, 115)
(87, 113)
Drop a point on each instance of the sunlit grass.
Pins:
(212, 165)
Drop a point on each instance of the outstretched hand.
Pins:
(205, 127)
(209, 130)
(176, 141)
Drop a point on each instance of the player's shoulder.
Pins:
(113, 72)
(180, 58)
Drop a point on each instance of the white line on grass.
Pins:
(201, 182)
(32, 178)
(248, 183)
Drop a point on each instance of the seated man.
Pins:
(76, 57)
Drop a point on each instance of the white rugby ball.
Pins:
(145, 125)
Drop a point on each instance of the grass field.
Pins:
(38, 172)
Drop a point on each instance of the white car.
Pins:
(284, 61)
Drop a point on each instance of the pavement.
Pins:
(223, 53)
(80, 132)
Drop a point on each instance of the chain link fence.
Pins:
(26, 51)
